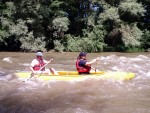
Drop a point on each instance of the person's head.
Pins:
(82, 55)
(39, 54)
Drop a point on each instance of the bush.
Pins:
(91, 41)
(145, 39)
(59, 47)
(134, 49)
(30, 43)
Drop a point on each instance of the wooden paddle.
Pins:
(32, 74)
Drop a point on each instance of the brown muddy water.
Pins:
(87, 96)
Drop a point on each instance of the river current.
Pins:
(86, 96)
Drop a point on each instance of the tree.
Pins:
(119, 17)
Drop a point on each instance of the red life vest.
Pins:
(39, 65)
(80, 69)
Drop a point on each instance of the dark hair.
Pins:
(39, 51)
(82, 54)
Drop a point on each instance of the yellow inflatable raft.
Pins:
(73, 75)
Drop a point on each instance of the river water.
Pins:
(87, 96)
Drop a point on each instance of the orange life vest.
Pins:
(39, 65)
(80, 69)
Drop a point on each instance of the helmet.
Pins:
(82, 54)
(39, 54)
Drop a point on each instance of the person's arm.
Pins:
(32, 65)
(92, 61)
(32, 70)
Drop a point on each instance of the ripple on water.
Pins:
(86, 96)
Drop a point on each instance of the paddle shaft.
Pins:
(45, 65)
(95, 69)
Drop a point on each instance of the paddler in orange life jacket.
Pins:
(82, 65)
(38, 63)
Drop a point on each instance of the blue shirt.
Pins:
(82, 63)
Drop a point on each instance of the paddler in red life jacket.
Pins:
(38, 63)
(82, 65)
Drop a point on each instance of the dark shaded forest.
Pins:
(75, 25)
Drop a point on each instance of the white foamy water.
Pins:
(7, 59)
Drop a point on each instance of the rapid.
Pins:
(86, 96)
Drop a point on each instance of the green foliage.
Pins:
(3, 35)
(56, 4)
(9, 9)
(59, 47)
(91, 41)
(132, 7)
(60, 24)
(113, 2)
(18, 29)
(134, 49)
(6, 24)
(84, 44)
(72, 43)
(120, 18)
(131, 35)
(29, 43)
(146, 39)
(69, 25)
(130, 10)
(110, 14)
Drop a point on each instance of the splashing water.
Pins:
(86, 96)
